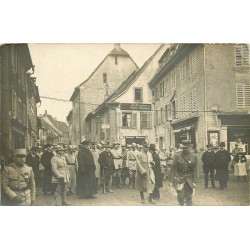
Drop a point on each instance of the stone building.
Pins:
(102, 82)
(126, 115)
(202, 93)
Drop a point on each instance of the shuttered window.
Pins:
(183, 71)
(134, 120)
(241, 55)
(183, 104)
(243, 95)
(193, 100)
(146, 121)
(192, 63)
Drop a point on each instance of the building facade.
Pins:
(127, 115)
(109, 74)
(15, 81)
(52, 131)
(202, 93)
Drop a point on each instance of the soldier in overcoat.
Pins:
(145, 178)
(183, 174)
(60, 176)
(18, 183)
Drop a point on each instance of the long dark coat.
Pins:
(46, 162)
(208, 159)
(106, 162)
(85, 179)
(34, 163)
(222, 159)
(157, 170)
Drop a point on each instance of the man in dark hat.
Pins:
(33, 160)
(85, 180)
(183, 174)
(107, 168)
(46, 162)
(208, 159)
(157, 171)
(222, 159)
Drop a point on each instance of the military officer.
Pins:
(18, 183)
(183, 174)
(60, 175)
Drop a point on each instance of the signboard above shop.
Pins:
(136, 106)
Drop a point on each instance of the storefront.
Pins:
(238, 126)
(185, 130)
(137, 139)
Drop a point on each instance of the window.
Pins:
(192, 63)
(183, 71)
(105, 77)
(243, 95)
(173, 81)
(241, 55)
(127, 120)
(193, 101)
(146, 120)
(138, 95)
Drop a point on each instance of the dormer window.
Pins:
(138, 94)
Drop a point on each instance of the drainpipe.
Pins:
(205, 95)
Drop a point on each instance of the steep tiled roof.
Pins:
(126, 84)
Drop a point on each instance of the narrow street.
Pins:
(237, 194)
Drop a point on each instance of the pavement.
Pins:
(237, 194)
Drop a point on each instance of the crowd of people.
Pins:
(82, 171)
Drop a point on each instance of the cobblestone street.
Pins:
(237, 194)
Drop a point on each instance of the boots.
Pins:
(64, 202)
(56, 198)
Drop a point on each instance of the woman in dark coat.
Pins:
(157, 171)
(222, 159)
(85, 179)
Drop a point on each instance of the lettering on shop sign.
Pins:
(136, 106)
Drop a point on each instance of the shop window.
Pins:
(243, 95)
(241, 55)
(146, 120)
(138, 94)
(213, 138)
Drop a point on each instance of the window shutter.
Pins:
(247, 95)
(240, 95)
(193, 100)
(134, 120)
(149, 120)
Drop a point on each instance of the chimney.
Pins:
(117, 46)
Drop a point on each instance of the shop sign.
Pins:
(136, 106)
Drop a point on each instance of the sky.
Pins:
(59, 68)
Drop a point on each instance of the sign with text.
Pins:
(105, 126)
(136, 106)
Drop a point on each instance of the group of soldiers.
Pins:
(62, 171)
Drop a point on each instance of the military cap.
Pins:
(222, 144)
(19, 151)
(186, 143)
(59, 148)
(152, 147)
(134, 145)
(85, 142)
(209, 146)
(145, 145)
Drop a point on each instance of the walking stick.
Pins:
(103, 180)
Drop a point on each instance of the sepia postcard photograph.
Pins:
(125, 124)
